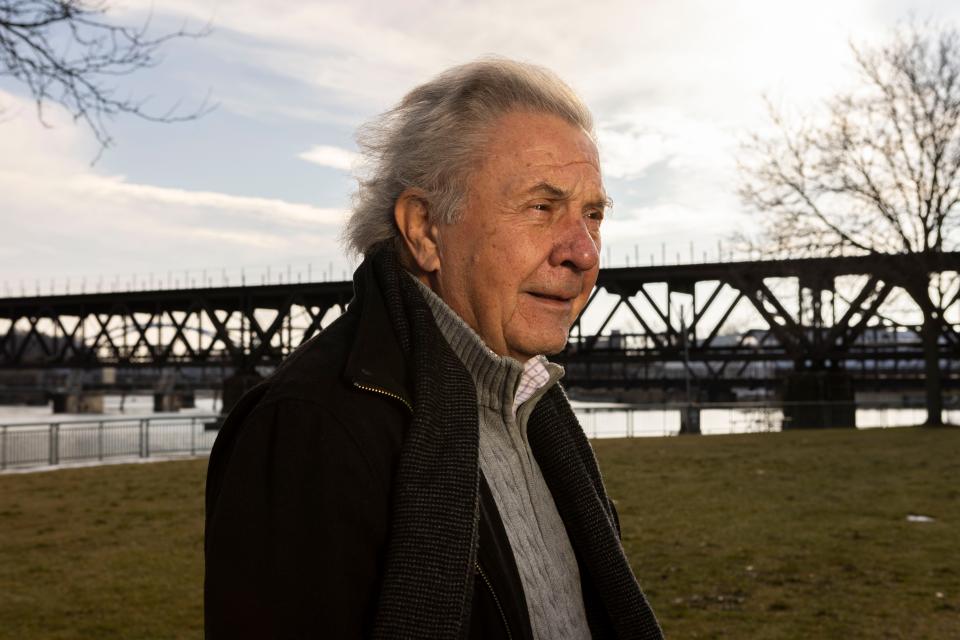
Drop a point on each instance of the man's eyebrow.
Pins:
(605, 202)
(553, 191)
(550, 189)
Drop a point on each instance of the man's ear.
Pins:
(412, 215)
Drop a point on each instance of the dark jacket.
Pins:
(300, 489)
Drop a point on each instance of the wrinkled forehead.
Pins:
(557, 175)
(560, 152)
(557, 180)
(533, 148)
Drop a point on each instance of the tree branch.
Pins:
(881, 173)
(65, 51)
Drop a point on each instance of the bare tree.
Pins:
(880, 174)
(70, 52)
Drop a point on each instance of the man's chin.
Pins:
(540, 346)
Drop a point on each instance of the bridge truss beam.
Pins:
(243, 327)
(687, 324)
(680, 340)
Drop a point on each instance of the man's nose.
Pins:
(575, 247)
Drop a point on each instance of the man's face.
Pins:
(521, 263)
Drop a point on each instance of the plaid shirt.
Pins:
(534, 376)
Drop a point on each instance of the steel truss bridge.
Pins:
(714, 326)
(750, 324)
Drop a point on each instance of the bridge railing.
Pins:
(52, 443)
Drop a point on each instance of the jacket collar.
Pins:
(376, 359)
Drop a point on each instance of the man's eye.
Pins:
(541, 206)
(595, 215)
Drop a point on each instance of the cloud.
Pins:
(274, 210)
(333, 157)
(68, 218)
(93, 223)
(693, 53)
(236, 237)
(637, 138)
(671, 83)
(628, 154)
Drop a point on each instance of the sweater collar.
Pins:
(498, 378)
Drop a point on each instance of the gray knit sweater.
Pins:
(542, 551)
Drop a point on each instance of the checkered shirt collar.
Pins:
(535, 375)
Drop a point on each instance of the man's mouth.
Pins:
(551, 297)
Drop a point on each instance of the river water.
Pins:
(601, 420)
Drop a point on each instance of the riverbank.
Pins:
(789, 535)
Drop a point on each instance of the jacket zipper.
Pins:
(486, 580)
(384, 393)
(496, 600)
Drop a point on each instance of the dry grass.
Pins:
(106, 552)
(796, 535)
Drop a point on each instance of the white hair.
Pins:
(429, 141)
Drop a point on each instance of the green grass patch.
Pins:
(103, 552)
(793, 535)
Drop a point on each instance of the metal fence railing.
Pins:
(58, 442)
(52, 443)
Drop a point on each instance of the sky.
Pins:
(264, 180)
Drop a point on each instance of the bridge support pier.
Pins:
(819, 400)
(188, 399)
(690, 420)
(167, 401)
(77, 402)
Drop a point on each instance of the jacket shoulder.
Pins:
(309, 399)
(312, 371)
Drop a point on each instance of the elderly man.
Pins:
(415, 471)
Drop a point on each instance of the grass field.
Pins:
(793, 535)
